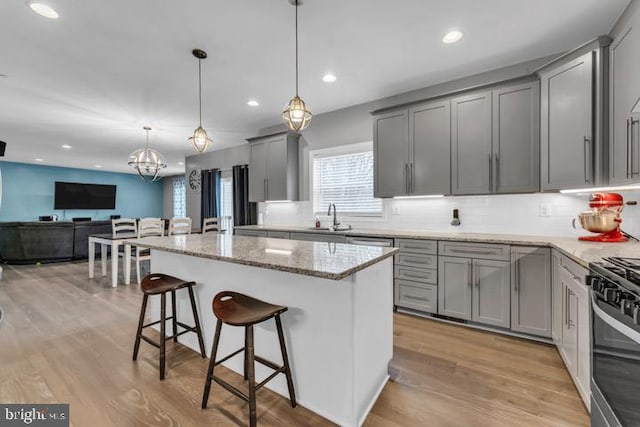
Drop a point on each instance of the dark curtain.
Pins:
(210, 196)
(244, 212)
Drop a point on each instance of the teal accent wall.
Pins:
(27, 193)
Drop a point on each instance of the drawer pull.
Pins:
(414, 247)
(416, 298)
(415, 276)
(416, 260)
(467, 251)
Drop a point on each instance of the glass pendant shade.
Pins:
(147, 161)
(296, 115)
(200, 140)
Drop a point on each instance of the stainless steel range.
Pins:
(615, 383)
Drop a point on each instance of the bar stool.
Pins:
(236, 309)
(160, 284)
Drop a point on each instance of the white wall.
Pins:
(513, 214)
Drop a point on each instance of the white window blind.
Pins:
(226, 199)
(347, 181)
(179, 197)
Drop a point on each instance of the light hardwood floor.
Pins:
(69, 339)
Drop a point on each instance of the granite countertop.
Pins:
(581, 252)
(333, 261)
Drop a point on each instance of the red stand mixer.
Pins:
(603, 218)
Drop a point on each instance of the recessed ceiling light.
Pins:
(253, 103)
(180, 163)
(39, 159)
(43, 9)
(452, 37)
(66, 146)
(3, 76)
(329, 78)
(97, 166)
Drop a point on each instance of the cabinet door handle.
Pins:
(633, 149)
(416, 298)
(566, 306)
(628, 150)
(517, 276)
(471, 252)
(470, 278)
(497, 172)
(411, 189)
(406, 178)
(490, 172)
(264, 184)
(587, 160)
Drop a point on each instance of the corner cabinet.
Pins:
(531, 295)
(273, 169)
(412, 151)
(624, 92)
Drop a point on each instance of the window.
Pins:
(226, 194)
(179, 197)
(344, 176)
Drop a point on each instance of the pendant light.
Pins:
(296, 115)
(200, 140)
(147, 161)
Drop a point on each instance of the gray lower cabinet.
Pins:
(273, 169)
(567, 125)
(391, 152)
(416, 296)
(471, 154)
(318, 237)
(624, 92)
(516, 138)
(531, 297)
(250, 233)
(278, 234)
(430, 149)
(454, 287)
(556, 299)
(491, 293)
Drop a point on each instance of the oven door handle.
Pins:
(615, 324)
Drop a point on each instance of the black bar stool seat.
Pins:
(161, 284)
(236, 309)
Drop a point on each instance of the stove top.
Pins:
(616, 281)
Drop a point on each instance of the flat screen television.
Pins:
(72, 195)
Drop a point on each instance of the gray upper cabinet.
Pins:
(454, 287)
(471, 154)
(557, 319)
(491, 292)
(531, 297)
(391, 151)
(516, 138)
(566, 125)
(624, 92)
(273, 170)
(430, 149)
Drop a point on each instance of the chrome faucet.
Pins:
(335, 215)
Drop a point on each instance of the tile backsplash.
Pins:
(534, 214)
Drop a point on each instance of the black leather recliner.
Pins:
(29, 242)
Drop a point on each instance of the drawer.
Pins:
(319, 237)
(416, 296)
(251, 233)
(574, 269)
(417, 260)
(475, 250)
(278, 234)
(416, 274)
(415, 246)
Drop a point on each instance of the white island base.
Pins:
(339, 333)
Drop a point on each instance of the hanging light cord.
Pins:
(200, 87)
(296, 47)
(147, 129)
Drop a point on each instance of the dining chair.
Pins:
(210, 224)
(147, 227)
(179, 226)
(124, 226)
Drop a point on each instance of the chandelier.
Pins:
(147, 161)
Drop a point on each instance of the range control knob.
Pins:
(626, 303)
(636, 312)
(602, 286)
(612, 295)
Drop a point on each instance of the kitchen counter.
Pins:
(333, 261)
(581, 252)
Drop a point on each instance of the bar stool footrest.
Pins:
(228, 357)
(156, 322)
(231, 389)
(268, 363)
(150, 341)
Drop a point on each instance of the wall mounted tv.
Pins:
(71, 195)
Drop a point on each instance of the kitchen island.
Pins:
(339, 327)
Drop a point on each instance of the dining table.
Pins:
(108, 240)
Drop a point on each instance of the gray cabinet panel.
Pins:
(624, 142)
(416, 296)
(556, 299)
(430, 148)
(475, 250)
(471, 161)
(491, 292)
(454, 287)
(276, 169)
(278, 234)
(516, 138)
(258, 172)
(531, 297)
(416, 274)
(566, 125)
(417, 246)
(417, 260)
(390, 140)
(250, 233)
(318, 237)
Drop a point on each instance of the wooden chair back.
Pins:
(210, 224)
(148, 227)
(179, 226)
(124, 226)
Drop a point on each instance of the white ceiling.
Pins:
(95, 76)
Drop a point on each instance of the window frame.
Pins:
(340, 150)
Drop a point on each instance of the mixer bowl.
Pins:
(599, 222)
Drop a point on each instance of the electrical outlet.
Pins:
(395, 210)
(545, 209)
